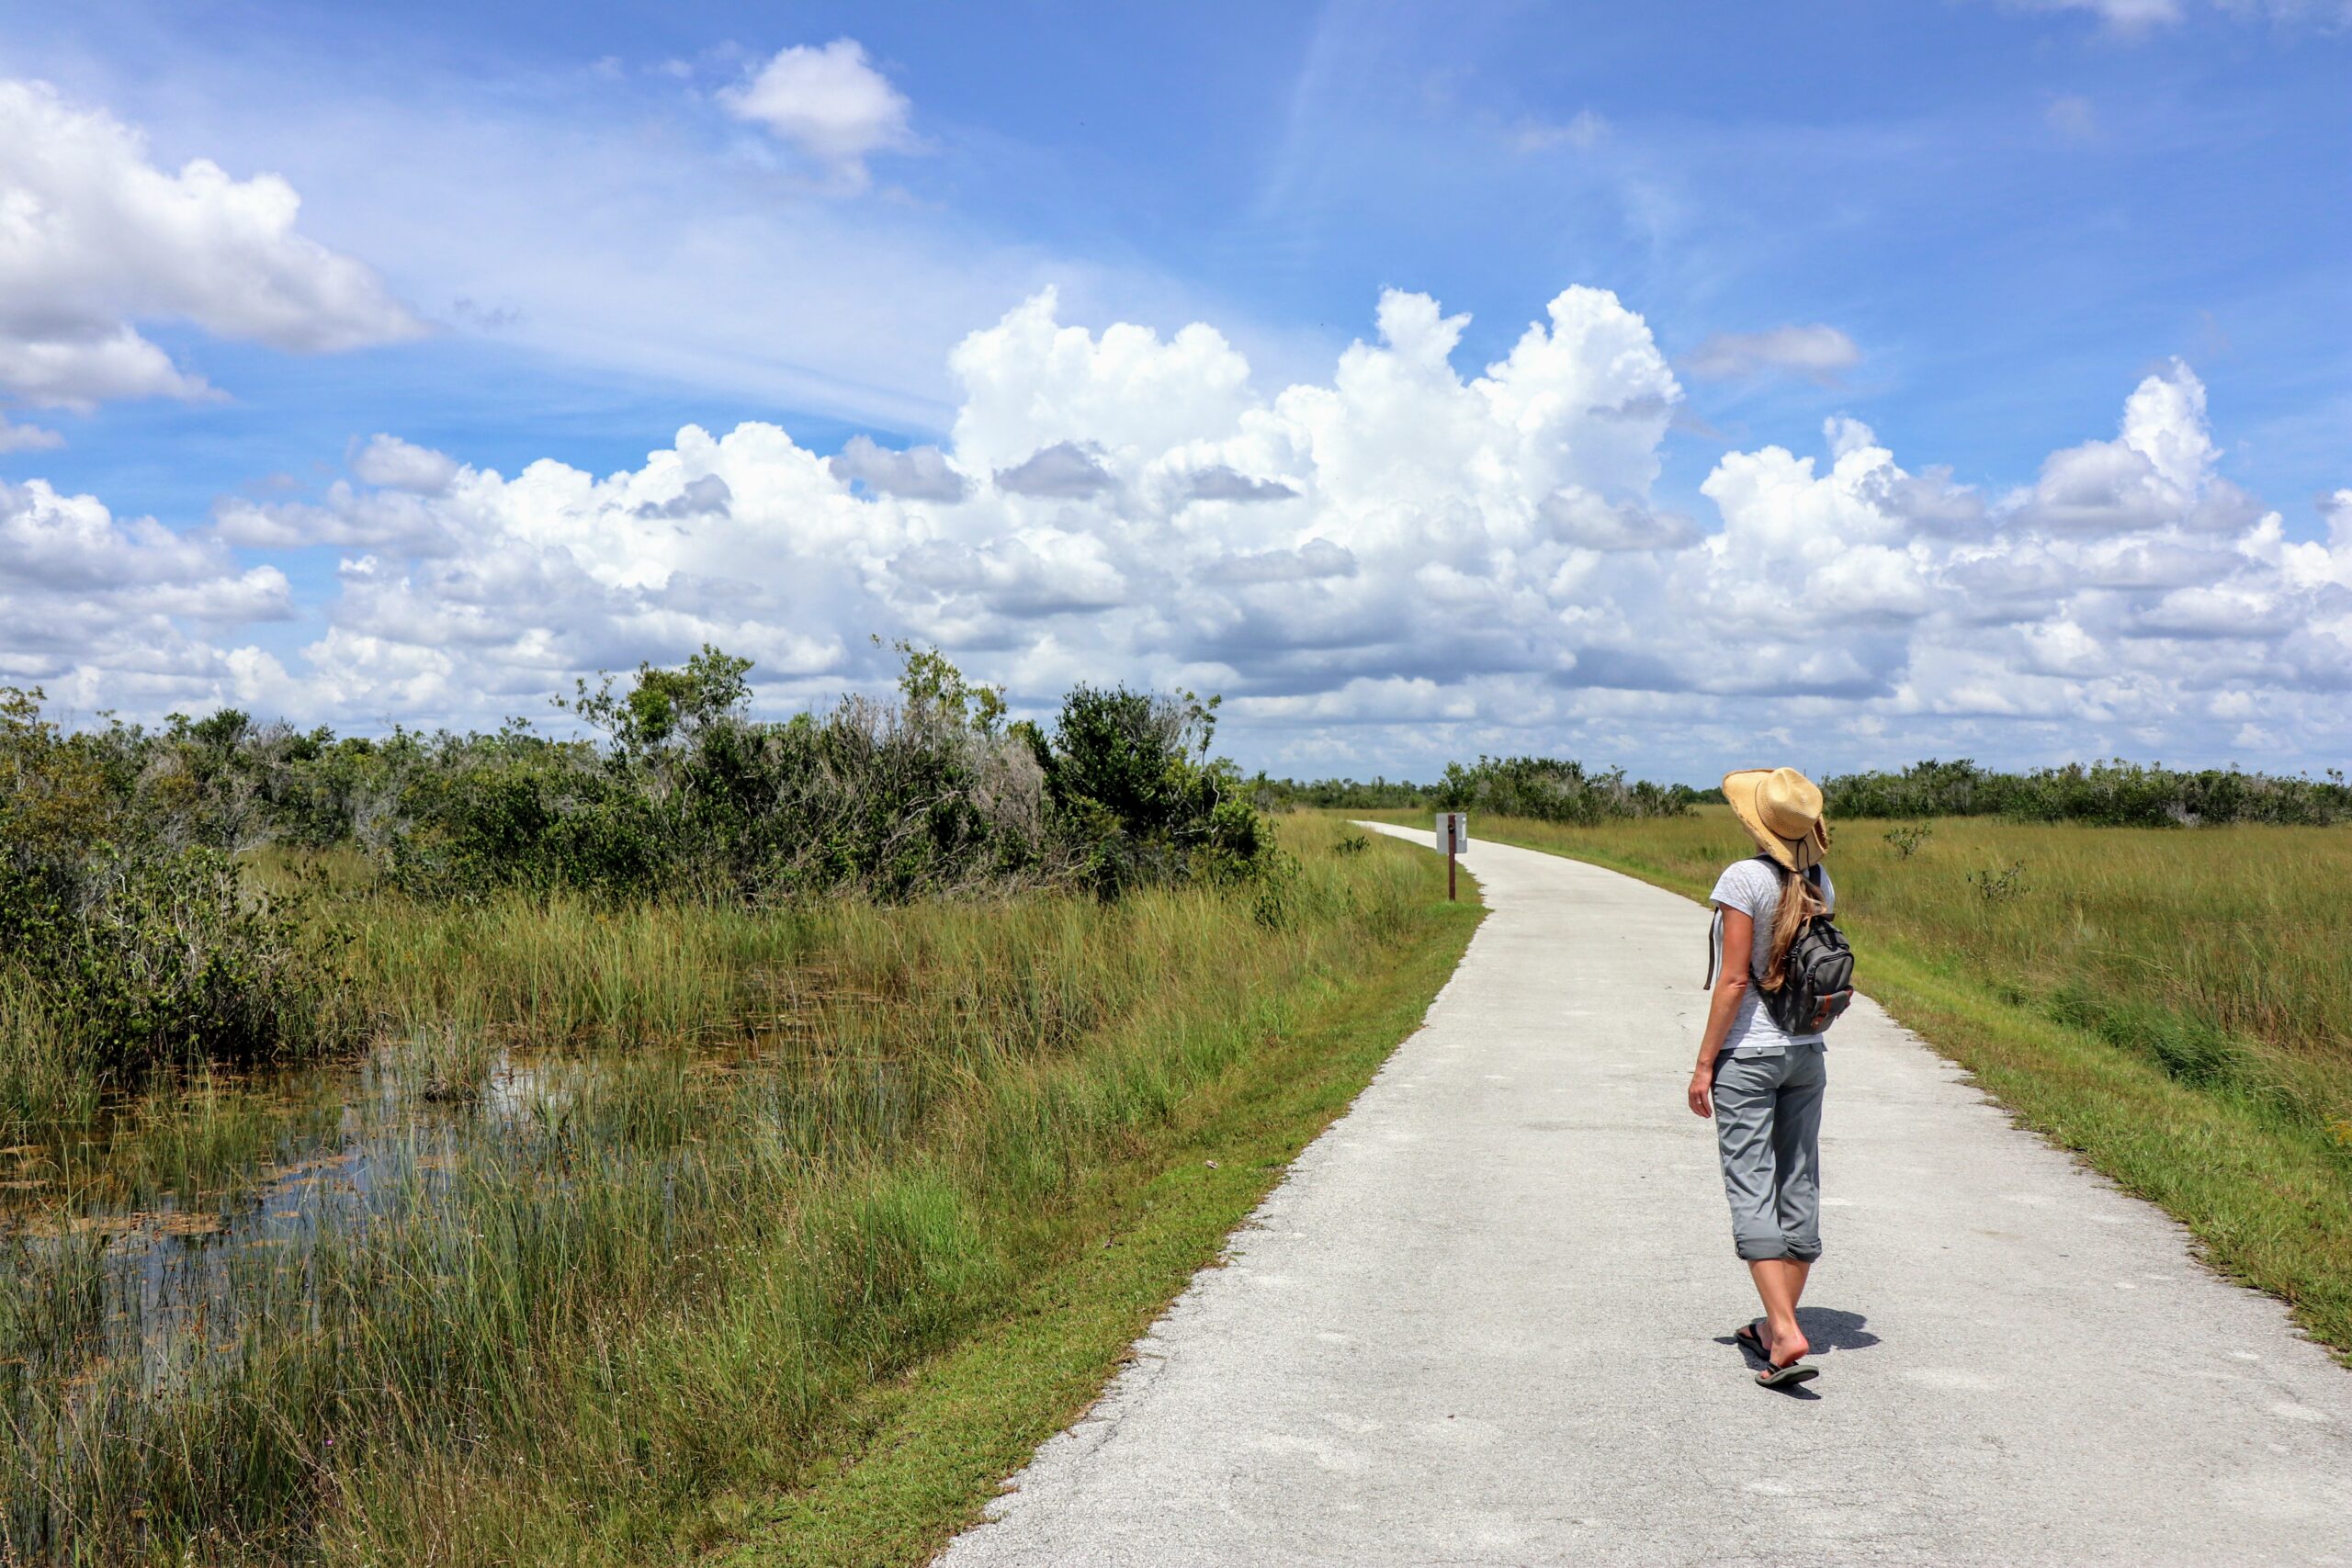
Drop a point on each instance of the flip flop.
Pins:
(1749, 1337)
(1783, 1377)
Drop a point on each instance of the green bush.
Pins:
(1132, 791)
(128, 940)
(1546, 789)
(130, 937)
(1550, 789)
(158, 956)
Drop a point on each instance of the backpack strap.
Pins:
(1714, 952)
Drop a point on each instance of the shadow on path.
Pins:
(1826, 1330)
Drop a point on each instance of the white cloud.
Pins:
(1398, 560)
(2071, 117)
(1065, 469)
(1584, 131)
(1218, 482)
(2126, 17)
(2159, 471)
(919, 473)
(395, 464)
(106, 610)
(1817, 351)
(2139, 18)
(829, 102)
(27, 437)
(94, 239)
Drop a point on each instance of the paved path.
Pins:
(1485, 1321)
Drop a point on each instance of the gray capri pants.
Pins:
(1768, 1125)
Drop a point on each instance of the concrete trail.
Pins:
(1486, 1319)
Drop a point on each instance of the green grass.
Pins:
(753, 1170)
(916, 1458)
(2176, 1006)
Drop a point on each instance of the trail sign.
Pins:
(1453, 837)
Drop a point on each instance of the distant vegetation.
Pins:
(2112, 795)
(2115, 794)
(1543, 789)
(135, 931)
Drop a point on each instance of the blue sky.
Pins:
(1973, 228)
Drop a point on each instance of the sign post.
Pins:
(1453, 837)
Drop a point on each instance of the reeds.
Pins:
(625, 1207)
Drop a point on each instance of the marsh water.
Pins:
(155, 1224)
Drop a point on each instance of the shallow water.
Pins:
(137, 1242)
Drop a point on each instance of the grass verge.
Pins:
(915, 1460)
(2088, 1004)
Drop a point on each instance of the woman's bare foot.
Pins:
(1784, 1347)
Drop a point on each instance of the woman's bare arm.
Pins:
(1731, 988)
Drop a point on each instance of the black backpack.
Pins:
(1817, 981)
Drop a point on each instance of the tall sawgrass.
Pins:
(692, 1179)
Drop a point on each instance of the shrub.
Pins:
(156, 955)
(1906, 840)
(1132, 791)
(1552, 789)
(1999, 887)
(127, 942)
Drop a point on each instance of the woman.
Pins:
(1762, 1085)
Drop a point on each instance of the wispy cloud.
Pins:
(2071, 117)
(2140, 18)
(1818, 351)
(1585, 130)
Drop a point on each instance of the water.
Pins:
(147, 1233)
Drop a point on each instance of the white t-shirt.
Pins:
(1753, 888)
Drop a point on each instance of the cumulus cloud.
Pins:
(2160, 469)
(395, 464)
(1817, 351)
(827, 103)
(105, 611)
(1218, 482)
(1405, 558)
(98, 239)
(1065, 469)
(705, 497)
(919, 473)
(1316, 558)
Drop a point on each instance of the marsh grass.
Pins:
(2174, 1003)
(623, 1212)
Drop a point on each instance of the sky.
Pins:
(1677, 387)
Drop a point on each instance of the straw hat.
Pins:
(1781, 808)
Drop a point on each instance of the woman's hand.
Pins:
(1702, 1101)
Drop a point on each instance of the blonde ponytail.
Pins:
(1798, 900)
